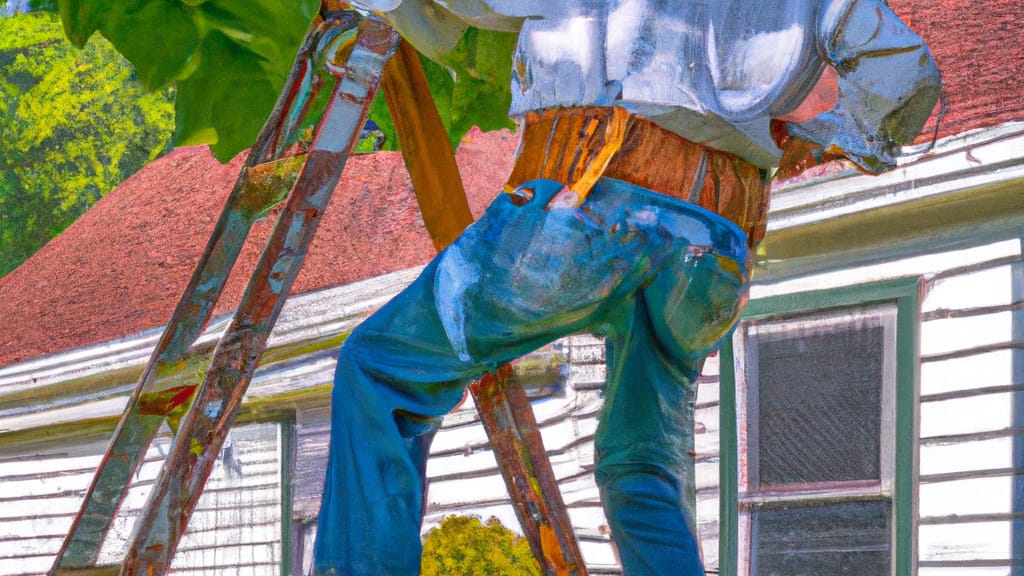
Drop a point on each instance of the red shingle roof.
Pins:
(977, 46)
(121, 267)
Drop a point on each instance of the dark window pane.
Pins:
(823, 539)
(819, 405)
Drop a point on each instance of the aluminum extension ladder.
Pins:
(353, 56)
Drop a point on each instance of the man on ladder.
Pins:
(649, 134)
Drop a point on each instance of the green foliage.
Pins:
(482, 63)
(463, 546)
(470, 89)
(73, 124)
(230, 59)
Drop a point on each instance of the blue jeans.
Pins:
(661, 279)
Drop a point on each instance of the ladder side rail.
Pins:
(505, 410)
(202, 432)
(136, 429)
(531, 483)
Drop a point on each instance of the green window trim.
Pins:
(287, 450)
(905, 293)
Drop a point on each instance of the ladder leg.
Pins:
(424, 144)
(506, 412)
(526, 469)
(202, 432)
(138, 425)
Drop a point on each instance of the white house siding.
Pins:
(40, 491)
(235, 530)
(971, 365)
(972, 299)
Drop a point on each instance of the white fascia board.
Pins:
(305, 317)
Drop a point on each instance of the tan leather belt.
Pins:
(579, 145)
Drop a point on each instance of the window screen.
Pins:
(824, 538)
(819, 398)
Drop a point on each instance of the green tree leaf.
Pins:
(207, 101)
(130, 29)
(470, 88)
(482, 62)
(230, 57)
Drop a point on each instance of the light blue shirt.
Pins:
(713, 71)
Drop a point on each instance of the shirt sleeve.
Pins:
(888, 84)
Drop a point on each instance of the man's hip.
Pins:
(565, 145)
(528, 272)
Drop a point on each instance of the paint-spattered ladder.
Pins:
(351, 56)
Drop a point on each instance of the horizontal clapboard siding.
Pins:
(41, 494)
(706, 445)
(971, 364)
(235, 530)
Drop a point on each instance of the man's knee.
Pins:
(632, 485)
(655, 532)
